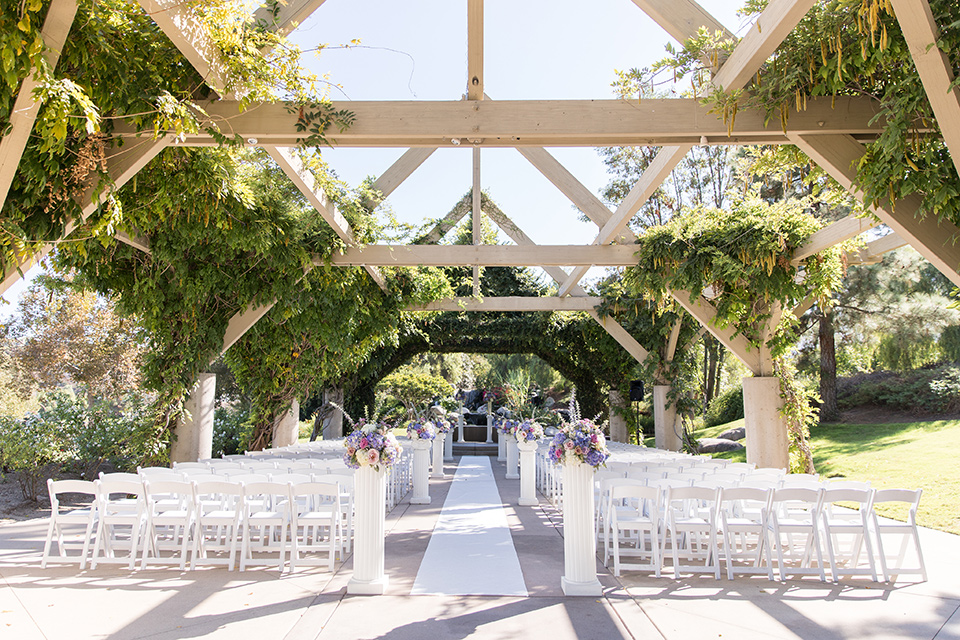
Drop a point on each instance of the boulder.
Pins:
(717, 445)
(737, 433)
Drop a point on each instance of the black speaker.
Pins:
(636, 391)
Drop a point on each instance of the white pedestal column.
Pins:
(195, 432)
(511, 446)
(370, 492)
(421, 471)
(448, 446)
(665, 420)
(490, 430)
(528, 474)
(767, 441)
(460, 424)
(579, 544)
(501, 447)
(437, 470)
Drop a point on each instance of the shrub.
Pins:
(932, 389)
(726, 407)
(34, 447)
(949, 343)
(232, 429)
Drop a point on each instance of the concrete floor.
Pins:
(111, 602)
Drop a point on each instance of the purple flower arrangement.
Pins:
(441, 426)
(371, 444)
(507, 427)
(529, 431)
(579, 442)
(421, 431)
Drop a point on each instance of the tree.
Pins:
(66, 336)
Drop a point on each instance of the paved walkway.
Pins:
(62, 603)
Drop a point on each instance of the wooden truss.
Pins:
(830, 134)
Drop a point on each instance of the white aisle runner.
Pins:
(471, 551)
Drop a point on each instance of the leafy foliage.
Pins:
(726, 407)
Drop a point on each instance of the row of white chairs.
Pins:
(753, 529)
(146, 518)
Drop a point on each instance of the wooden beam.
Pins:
(400, 170)
(682, 19)
(832, 234)
(186, 31)
(289, 15)
(414, 255)
(621, 335)
(768, 31)
(674, 338)
(242, 322)
(873, 252)
(476, 194)
(935, 240)
(137, 242)
(705, 313)
(122, 165)
(474, 49)
(511, 303)
(569, 186)
(804, 306)
(654, 175)
(305, 182)
(54, 32)
(444, 225)
(534, 123)
(936, 72)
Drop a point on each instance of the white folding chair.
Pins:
(801, 481)
(217, 525)
(796, 512)
(85, 516)
(744, 518)
(266, 523)
(908, 531)
(845, 522)
(315, 522)
(345, 482)
(120, 506)
(170, 510)
(634, 508)
(691, 528)
(183, 466)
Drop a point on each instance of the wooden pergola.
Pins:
(831, 134)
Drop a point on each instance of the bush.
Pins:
(949, 343)
(932, 389)
(34, 447)
(726, 407)
(231, 429)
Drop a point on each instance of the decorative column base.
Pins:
(490, 430)
(421, 471)
(437, 470)
(579, 540)
(511, 447)
(370, 492)
(528, 473)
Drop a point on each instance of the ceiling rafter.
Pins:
(768, 31)
(832, 234)
(839, 156)
(55, 28)
(681, 19)
(283, 17)
(706, 314)
(484, 255)
(475, 49)
(511, 303)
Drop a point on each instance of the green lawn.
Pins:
(903, 455)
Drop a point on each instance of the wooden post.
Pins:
(665, 420)
(768, 444)
(618, 424)
(195, 432)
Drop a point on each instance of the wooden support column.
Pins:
(766, 431)
(194, 433)
(286, 426)
(618, 423)
(477, 225)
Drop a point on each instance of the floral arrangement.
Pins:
(371, 444)
(441, 426)
(507, 427)
(417, 430)
(579, 442)
(529, 431)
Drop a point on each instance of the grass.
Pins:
(901, 455)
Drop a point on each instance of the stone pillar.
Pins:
(490, 424)
(437, 471)
(667, 432)
(333, 425)
(512, 451)
(421, 471)
(619, 432)
(370, 493)
(528, 474)
(286, 426)
(460, 424)
(579, 538)
(195, 432)
(767, 441)
(448, 446)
